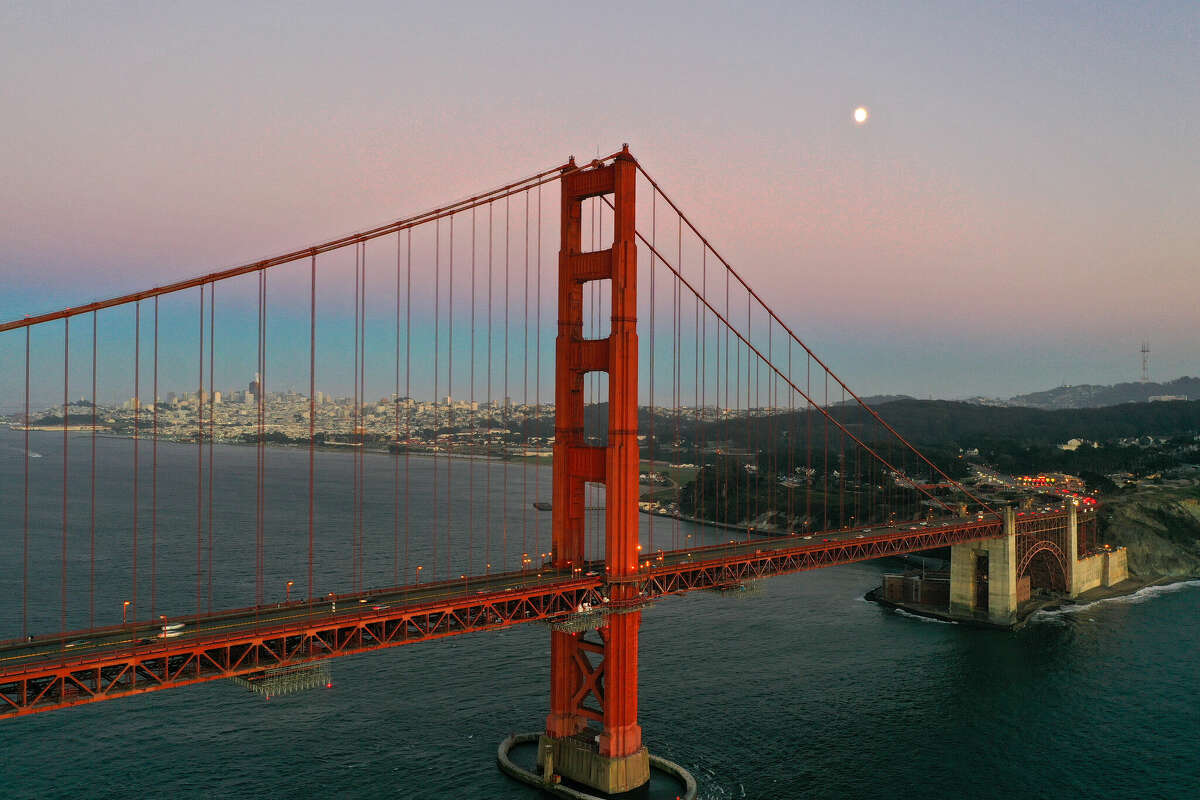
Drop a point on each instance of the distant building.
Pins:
(1050, 480)
(1166, 398)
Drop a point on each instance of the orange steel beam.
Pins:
(68, 680)
(65, 679)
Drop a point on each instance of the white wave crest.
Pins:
(1140, 596)
(904, 613)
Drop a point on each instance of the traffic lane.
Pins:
(150, 635)
(345, 606)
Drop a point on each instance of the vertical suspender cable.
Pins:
(353, 439)
(212, 425)
(66, 411)
(25, 538)
(746, 408)
(730, 472)
(702, 395)
(471, 401)
(487, 527)
(357, 434)
(437, 322)
(825, 469)
(396, 433)
(842, 471)
(362, 424)
(506, 415)
(200, 463)
(770, 439)
(808, 463)
(92, 481)
(697, 343)
(449, 393)
(791, 466)
(772, 387)
(525, 399)
(407, 393)
(312, 415)
(355, 424)
(262, 439)
(598, 524)
(537, 375)
(154, 477)
(395, 455)
(137, 404)
(653, 422)
(260, 402)
(678, 358)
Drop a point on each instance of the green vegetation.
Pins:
(773, 470)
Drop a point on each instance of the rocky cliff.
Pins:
(1161, 528)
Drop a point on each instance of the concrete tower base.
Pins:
(578, 759)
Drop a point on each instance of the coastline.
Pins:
(1052, 605)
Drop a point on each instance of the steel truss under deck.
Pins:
(67, 679)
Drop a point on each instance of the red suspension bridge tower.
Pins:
(592, 732)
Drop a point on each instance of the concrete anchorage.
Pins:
(984, 584)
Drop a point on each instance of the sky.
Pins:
(1020, 211)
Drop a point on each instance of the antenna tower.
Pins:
(1145, 361)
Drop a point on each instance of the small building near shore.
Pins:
(928, 588)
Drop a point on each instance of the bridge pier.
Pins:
(989, 578)
(983, 576)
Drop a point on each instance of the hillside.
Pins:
(1093, 396)
(949, 423)
(1161, 528)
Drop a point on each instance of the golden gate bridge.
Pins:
(676, 400)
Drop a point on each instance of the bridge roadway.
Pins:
(87, 666)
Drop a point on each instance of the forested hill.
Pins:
(946, 423)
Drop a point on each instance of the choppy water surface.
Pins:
(800, 690)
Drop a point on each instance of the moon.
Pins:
(860, 115)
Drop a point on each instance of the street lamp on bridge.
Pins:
(125, 611)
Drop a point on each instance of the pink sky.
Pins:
(1020, 210)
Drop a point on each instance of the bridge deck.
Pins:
(88, 666)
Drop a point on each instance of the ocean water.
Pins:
(798, 690)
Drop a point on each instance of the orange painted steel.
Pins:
(572, 675)
(64, 678)
(312, 633)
